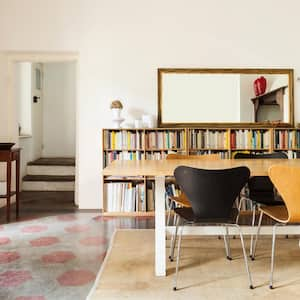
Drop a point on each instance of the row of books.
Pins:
(128, 197)
(284, 139)
(208, 139)
(123, 139)
(222, 154)
(250, 139)
(165, 139)
(156, 155)
(108, 157)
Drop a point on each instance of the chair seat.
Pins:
(181, 200)
(187, 214)
(278, 213)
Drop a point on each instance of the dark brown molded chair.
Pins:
(260, 189)
(182, 200)
(211, 194)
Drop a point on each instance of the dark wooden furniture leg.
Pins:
(17, 184)
(8, 189)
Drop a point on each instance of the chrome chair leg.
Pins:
(245, 256)
(169, 212)
(252, 252)
(227, 243)
(253, 224)
(239, 210)
(174, 238)
(272, 256)
(178, 257)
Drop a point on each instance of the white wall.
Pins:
(59, 109)
(122, 43)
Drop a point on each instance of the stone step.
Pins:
(60, 178)
(53, 161)
(48, 183)
(50, 170)
(48, 186)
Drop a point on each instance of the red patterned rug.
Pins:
(55, 257)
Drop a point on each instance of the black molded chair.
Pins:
(212, 194)
(260, 190)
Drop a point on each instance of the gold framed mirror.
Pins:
(225, 98)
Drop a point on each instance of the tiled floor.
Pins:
(56, 257)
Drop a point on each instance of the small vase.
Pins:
(116, 113)
(116, 117)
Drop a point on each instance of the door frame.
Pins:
(13, 57)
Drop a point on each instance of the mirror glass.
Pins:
(224, 97)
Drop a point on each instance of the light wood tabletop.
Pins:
(162, 168)
(258, 167)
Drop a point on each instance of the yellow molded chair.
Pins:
(182, 200)
(286, 179)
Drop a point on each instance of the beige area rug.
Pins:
(128, 271)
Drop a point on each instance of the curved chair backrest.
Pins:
(260, 187)
(241, 155)
(211, 192)
(184, 156)
(286, 179)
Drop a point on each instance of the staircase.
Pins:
(50, 174)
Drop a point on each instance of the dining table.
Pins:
(160, 169)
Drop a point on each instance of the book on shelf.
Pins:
(110, 156)
(124, 197)
(167, 139)
(205, 138)
(287, 139)
(123, 139)
(249, 139)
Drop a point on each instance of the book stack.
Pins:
(165, 139)
(156, 155)
(119, 140)
(286, 139)
(124, 155)
(205, 139)
(125, 197)
(222, 154)
(249, 139)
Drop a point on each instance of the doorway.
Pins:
(46, 122)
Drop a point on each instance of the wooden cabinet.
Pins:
(8, 156)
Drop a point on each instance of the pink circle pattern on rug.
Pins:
(4, 240)
(76, 278)
(7, 257)
(58, 257)
(44, 241)
(77, 228)
(14, 278)
(93, 241)
(1, 227)
(66, 218)
(34, 228)
(31, 298)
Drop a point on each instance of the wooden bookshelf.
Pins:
(156, 143)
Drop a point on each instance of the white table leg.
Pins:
(160, 227)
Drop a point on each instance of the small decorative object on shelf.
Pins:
(260, 85)
(116, 107)
(147, 121)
